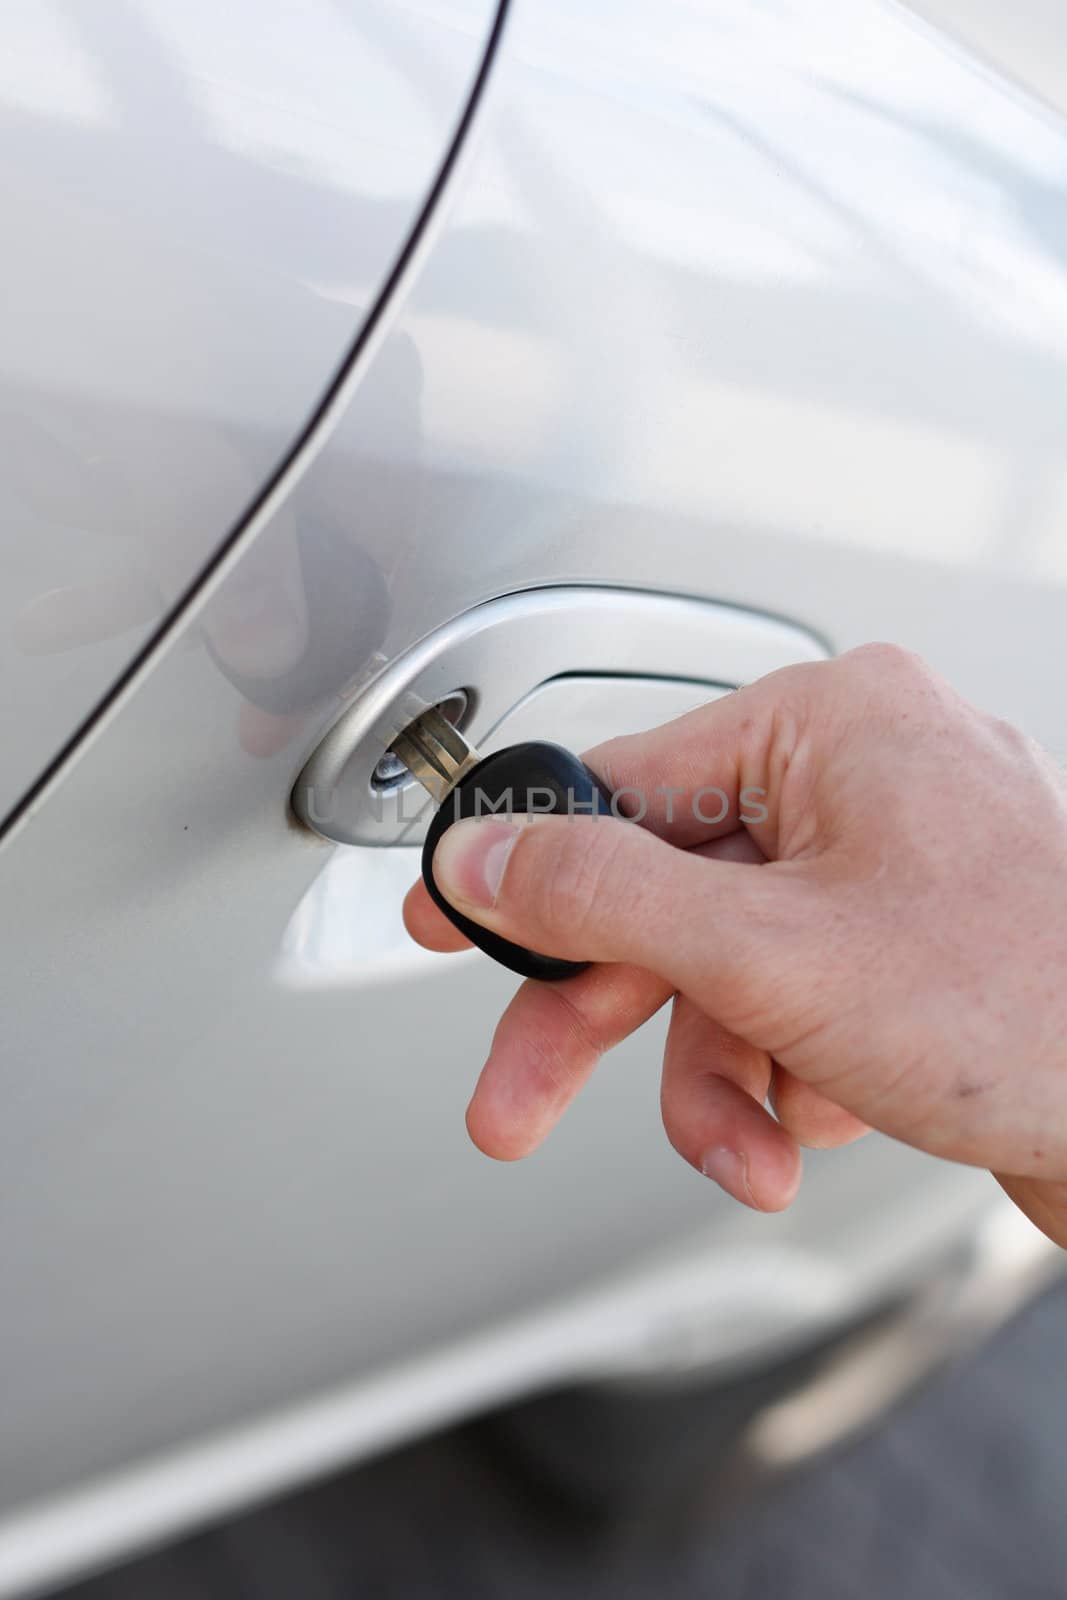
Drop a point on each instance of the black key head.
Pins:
(525, 777)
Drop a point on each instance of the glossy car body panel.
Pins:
(1023, 41)
(200, 206)
(757, 304)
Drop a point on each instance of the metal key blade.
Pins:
(435, 753)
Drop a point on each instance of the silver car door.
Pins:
(202, 204)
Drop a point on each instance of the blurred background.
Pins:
(958, 1496)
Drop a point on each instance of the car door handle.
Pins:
(573, 665)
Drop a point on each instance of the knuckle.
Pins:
(546, 1066)
(894, 685)
(886, 658)
(890, 676)
(582, 1032)
(1015, 744)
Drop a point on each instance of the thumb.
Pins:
(601, 889)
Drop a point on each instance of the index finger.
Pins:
(427, 923)
(708, 773)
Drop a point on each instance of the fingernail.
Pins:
(469, 861)
(729, 1169)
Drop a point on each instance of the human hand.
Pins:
(898, 961)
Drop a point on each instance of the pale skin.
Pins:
(886, 949)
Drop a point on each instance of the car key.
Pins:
(465, 784)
